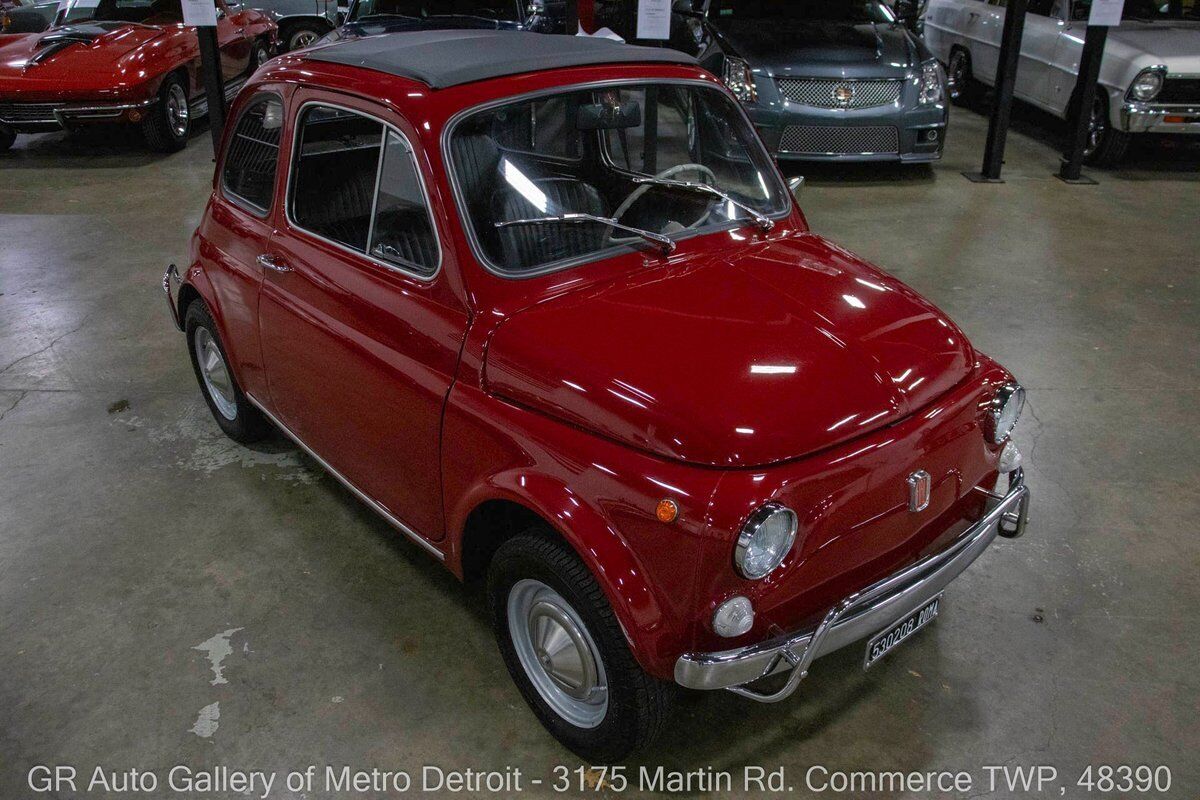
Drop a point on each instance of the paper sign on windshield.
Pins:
(1106, 12)
(199, 12)
(654, 19)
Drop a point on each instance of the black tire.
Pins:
(638, 704)
(1106, 145)
(260, 55)
(301, 33)
(7, 138)
(961, 86)
(166, 127)
(247, 424)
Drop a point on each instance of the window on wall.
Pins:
(253, 153)
(355, 183)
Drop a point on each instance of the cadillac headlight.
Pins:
(933, 82)
(1005, 411)
(740, 79)
(765, 540)
(1146, 85)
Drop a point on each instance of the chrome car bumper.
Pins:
(858, 616)
(40, 117)
(1150, 118)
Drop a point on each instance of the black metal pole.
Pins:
(571, 18)
(214, 86)
(1081, 107)
(1006, 76)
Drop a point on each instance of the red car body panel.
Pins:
(437, 396)
(126, 64)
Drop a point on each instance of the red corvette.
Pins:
(547, 306)
(123, 61)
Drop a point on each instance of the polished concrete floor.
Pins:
(170, 598)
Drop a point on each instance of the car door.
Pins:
(239, 228)
(1043, 28)
(233, 41)
(361, 329)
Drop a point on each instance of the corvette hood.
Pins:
(784, 349)
(815, 47)
(69, 55)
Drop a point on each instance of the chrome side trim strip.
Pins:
(359, 493)
(863, 613)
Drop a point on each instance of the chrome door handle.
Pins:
(268, 261)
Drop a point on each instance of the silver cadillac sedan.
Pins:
(823, 79)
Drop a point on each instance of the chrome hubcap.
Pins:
(557, 653)
(302, 39)
(177, 110)
(956, 74)
(215, 374)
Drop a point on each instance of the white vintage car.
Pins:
(1149, 78)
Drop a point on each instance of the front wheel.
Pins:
(961, 86)
(7, 138)
(168, 121)
(1105, 146)
(260, 55)
(301, 34)
(566, 652)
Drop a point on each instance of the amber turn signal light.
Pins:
(666, 511)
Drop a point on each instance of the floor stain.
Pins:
(207, 721)
(217, 648)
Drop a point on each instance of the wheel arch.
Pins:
(512, 502)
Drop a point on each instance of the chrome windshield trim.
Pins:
(374, 504)
(464, 216)
(856, 617)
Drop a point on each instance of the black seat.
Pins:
(528, 246)
(476, 159)
(404, 234)
(334, 195)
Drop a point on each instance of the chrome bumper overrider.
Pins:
(861, 614)
(170, 285)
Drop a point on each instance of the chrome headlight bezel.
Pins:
(931, 83)
(1004, 411)
(739, 79)
(748, 562)
(1154, 78)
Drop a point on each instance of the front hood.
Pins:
(781, 350)
(819, 48)
(75, 54)
(1168, 41)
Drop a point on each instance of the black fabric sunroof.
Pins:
(448, 58)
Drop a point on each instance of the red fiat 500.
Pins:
(546, 305)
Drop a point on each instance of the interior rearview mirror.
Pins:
(606, 117)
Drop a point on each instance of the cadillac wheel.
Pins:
(566, 652)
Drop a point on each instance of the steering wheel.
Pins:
(671, 172)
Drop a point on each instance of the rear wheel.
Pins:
(238, 418)
(961, 85)
(302, 34)
(260, 55)
(1105, 146)
(168, 121)
(566, 651)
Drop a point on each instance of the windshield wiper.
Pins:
(574, 217)
(764, 223)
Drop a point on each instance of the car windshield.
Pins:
(145, 12)
(560, 179)
(802, 10)
(505, 10)
(1141, 10)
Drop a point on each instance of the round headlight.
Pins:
(764, 541)
(1147, 85)
(1006, 410)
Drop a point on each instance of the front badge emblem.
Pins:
(843, 94)
(918, 490)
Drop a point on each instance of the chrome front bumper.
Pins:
(35, 117)
(863, 613)
(1150, 118)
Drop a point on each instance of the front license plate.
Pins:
(899, 633)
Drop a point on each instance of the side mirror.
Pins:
(796, 186)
